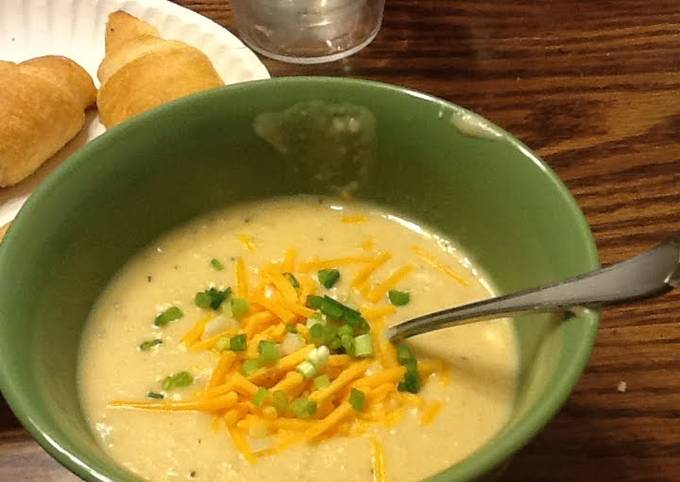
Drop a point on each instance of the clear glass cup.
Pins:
(308, 31)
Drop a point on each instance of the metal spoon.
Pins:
(649, 274)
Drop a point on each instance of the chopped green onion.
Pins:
(223, 343)
(315, 319)
(303, 408)
(363, 345)
(328, 277)
(156, 395)
(260, 396)
(399, 298)
(411, 382)
(357, 399)
(147, 345)
(280, 401)
(322, 334)
(316, 333)
(337, 311)
(335, 344)
(202, 300)
(319, 356)
(171, 314)
(330, 333)
(314, 302)
(239, 307)
(322, 381)
(178, 380)
(250, 366)
(345, 330)
(269, 352)
(307, 369)
(404, 354)
(215, 263)
(291, 328)
(238, 343)
(211, 298)
(411, 365)
(292, 280)
(406, 357)
(347, 342)
(354, 319)
(331, 308)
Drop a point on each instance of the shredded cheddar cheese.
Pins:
(368, 244)
(317, 264)
(275, 307)
(241, 444)
(254, 323)
(196, 331)
(211, 405)
(220, 371)
(385, 376)
(232, 416)
(280, 401)
(247, 241)
(375, 313)
(288, 264)
(345, 377)
(241, 278)
(286, 289)
(353, 218)
(210, 342)
(379, 470)
(291, 381)
(332, 419)
(363, 275)
(431, 411)
(390, 282)
(296, 308)
(435, 263)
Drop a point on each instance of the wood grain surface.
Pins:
(594, 87)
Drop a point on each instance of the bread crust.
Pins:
(42, 104)
(142, 70)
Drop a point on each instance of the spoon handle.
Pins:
(649, 274)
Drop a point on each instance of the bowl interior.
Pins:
(488, 193)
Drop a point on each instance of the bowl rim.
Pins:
(484, 460)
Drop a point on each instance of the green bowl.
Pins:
(434, 162)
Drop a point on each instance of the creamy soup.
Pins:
(149, 347)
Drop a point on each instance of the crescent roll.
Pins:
(142, 70)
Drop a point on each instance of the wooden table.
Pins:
(594, 87)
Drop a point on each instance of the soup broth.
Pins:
(136, 339)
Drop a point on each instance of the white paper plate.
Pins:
(75, 29)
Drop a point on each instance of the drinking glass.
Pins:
(308, 31)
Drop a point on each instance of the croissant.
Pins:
(142, 70)
(42, 107)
